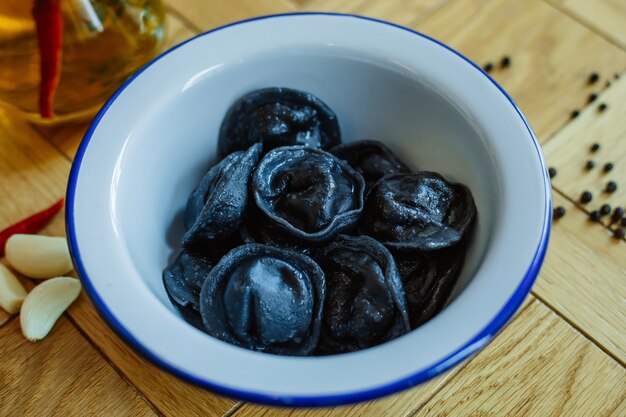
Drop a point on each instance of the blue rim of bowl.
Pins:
(463, 352)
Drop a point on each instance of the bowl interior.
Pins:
(156, 138)
(177, 143)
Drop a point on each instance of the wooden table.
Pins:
(562, 355)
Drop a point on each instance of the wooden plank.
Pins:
(539, 366)
(211, 13)
(61, 375)
(569, 151)
(170, 395)
(551, 54)
(403, 12)
(33, 174)
(176, 31)
(4, 317)
(18, 190)
(401, 404)
(584, 279)
(607, 17)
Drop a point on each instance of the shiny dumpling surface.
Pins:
(265, 299)
(429, 280)
(419, 211)
(365, 300)
(278, 117)
(371, 158)
(216, 208)
(183, 279)
(309, 193)
(259, 229)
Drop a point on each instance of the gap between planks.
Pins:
(29, 284)
(426, 14)
(578, 206)
(113, 366)
(581, 22)
(567, 122)
(238, 405)
(578, 329)
(463, 365)
(196, 30)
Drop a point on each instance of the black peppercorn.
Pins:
(595, 147)
(611, 186)
(595, 215)
(593, 77)
(619, 233)
(552, 172)
(592, 97)
(602, 107)
(590, 164)
(574, 114)
(586, 197)
(488, 67)
(506, 62)
(608, 167)
(605, 209)
(618, 213)
(558, 212)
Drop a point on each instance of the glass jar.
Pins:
(103, 42)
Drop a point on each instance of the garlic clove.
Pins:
(38, 256)
(45, 304)
(12, 293)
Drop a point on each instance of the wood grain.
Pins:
(4, 317)
(61, 375)
(402, 404)
(569, 151)
(607, 17)
(29, 179)
(177, 31)
(402, 12)
(209, 14)
(551, 54)
(169, 394)
(584, 279)
(32, 175)
(538, 366)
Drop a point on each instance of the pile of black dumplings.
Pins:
(297, 244)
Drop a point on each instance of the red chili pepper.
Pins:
(49, 25)
(31, 224)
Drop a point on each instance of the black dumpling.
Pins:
(429, 279)
(216, 208)
(278, 117)
(265, 299)
(365, 301)
(371, 158)
(183, 280)
(308, 193)
(420, 211)
(259, 229)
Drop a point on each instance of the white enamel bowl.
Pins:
(153, 140)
